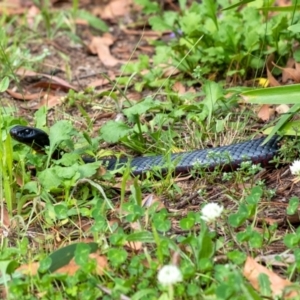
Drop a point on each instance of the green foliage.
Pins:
(62, 193)
(247, 208)
(223, 39)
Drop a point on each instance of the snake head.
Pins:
(33, 137)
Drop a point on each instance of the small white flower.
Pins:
(295, 167)
(211, 211)
(169, 275)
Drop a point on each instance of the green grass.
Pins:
(63, 209)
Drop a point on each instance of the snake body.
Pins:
(227, 157)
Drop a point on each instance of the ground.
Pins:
(75, 64)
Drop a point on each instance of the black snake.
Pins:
(228, 157)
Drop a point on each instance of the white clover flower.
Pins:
(211, 211)
(295, 167)
(169, 274)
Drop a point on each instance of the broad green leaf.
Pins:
(206, 245)
(149, 293)
(45, 264)
(64, 255)
(294, 28)
(291, 128)
(117, 256)
(142, 236)
(141, 107)
(211, 10)
(82, 254)
(4, 83)
(7, 271)
(282, 121)
(213, 93)
(288, 94)
(61, 211)
(149, 7)
(92, 20)
(293, 206)
(113, 131)
(88, 170)
(264, 285)
(281, 8)
(60, 131)
(187, 22)
(49, 179)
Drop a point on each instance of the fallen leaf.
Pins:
(48, 85)
(102, 81)
(72, 267)
(289, 73)
(25, 95)
(28, 73)
(265, 112)
(49, 101)
(31, 14)
(269, 66)
(100, 46)
(135, 246)
(252, 270)
(279, 259)
(179, 88)
(4, 217)
(282, 109)
(152, 199)
(170, 71)
(115, 9)
(29, 269)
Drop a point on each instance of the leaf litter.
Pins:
(103, 48)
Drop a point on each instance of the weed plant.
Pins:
(51, 204)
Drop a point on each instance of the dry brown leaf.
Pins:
(252, 270)
(265, 112)
(63, 84)
(4, 217)
(289, 73)
(282, 109)
(273, 259)
(31, 14)
(118, 185)
(180, 178)
(70, 269)
(49, 100)
(101, 82)
(170, 71)
(29, 269)
(25, 95)
(193, 90)
(100, 46)
(290, 63)
(152, 199)
(48, 85)
(175, 259)
(271, 78)
(179, 88)
(134, 96)
(81, 22)
(135, 246)
(115, 9)
(14, 7)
